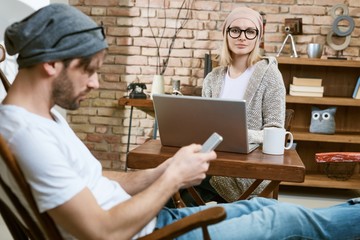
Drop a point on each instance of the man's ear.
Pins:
(53, 68)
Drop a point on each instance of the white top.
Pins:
(55, 162)
(234, 88)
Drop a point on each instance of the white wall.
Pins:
(12, 11)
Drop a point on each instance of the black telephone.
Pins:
(137, 90)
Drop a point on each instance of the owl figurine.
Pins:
(323, 121)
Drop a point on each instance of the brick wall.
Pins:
(103, 125)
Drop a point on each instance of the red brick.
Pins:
(101, 2)
(94, 138)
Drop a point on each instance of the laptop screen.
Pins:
(183, 120)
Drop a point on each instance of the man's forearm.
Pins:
(136, 181)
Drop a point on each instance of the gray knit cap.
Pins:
(55, 32)
(245, 13)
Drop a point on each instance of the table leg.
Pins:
(270, 188)
(248, 191)
(275, 193)
(128, 140)
(155, 129)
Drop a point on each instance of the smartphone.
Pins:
(212, 142)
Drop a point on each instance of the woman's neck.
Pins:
(238, 66)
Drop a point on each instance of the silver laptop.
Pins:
(183, 120)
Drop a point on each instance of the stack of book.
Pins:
(306, 87)
(356, 93)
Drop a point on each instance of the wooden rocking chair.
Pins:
(35, 225)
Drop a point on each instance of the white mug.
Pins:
(274, 140)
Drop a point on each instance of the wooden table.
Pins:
(256, 165)
(133, 102)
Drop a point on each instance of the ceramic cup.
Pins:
(314, 50)
(274, 141)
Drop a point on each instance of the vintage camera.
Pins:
(137, 90)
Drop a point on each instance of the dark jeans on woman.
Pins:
(205, 190)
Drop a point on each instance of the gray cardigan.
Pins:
(265, 102)
(265, 96)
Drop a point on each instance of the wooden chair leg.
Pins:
(196, 196)
(275, 193)
(206, 234)
(178, 202)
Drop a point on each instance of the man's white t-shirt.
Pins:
(55, 162)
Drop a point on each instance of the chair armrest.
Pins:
(200, 219)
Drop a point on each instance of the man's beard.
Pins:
(63, 92)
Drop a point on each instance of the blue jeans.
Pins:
(262, 218)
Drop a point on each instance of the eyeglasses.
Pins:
(235, 32)
(83, 31)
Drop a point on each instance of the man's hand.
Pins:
(189, 165)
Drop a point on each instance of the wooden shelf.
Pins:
(319, 180)
(303, 134)
(318, 62)
(339, 78)
(333, 101)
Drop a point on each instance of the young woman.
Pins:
(244, 74)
